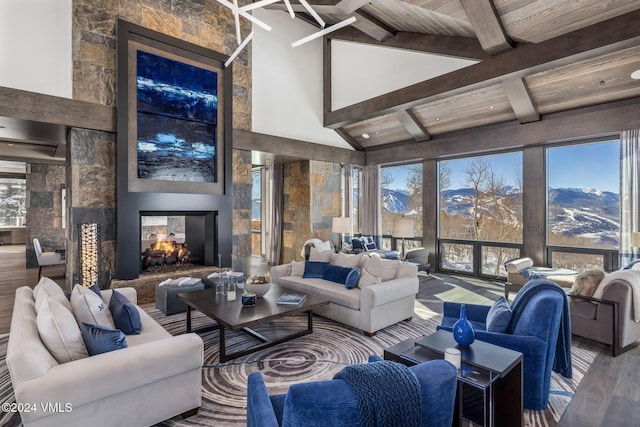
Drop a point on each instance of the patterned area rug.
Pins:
(317, 356)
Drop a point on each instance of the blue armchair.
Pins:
(332, 403)
(539, 328)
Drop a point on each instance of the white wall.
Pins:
(287, 82)
(360, 72)
(35, 46)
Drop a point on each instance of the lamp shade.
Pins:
(341, 225)
(403, 227)
(635, 239)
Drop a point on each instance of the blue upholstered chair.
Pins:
(539, 328)
(332, 403)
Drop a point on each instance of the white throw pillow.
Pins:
(384, 268)
(519, 264)
(320, 256)
(367, 279)
(59, 332)
(323, 246)
(344, 260)
(297, 269)
(52, 290)
(88, 307)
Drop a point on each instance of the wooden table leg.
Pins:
(188, 318)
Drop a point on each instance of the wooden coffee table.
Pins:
(233, 316)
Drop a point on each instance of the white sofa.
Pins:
(156, 377)
(370, 308)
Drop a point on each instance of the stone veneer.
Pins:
(312, 197)
(92, 178)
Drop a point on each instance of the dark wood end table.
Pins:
(231, 315)
(492, 371)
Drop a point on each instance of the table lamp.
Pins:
(403, 228)
(341, 225)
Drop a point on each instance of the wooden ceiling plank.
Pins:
(520, 99)
(412, 124)
(487, 24)
(607, 36)
(453, 46)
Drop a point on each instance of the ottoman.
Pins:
(166, 300)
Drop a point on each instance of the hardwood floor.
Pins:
(608, 395)
(14, 274)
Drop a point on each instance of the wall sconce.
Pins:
(88, 247)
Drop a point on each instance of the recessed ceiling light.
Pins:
(491, 107)
(437, 119)
(365, 135)
(636, 75)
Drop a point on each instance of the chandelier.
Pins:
(243, 11)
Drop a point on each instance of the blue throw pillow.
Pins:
(95, 288)
(335, 273)
(357, 244)
(125, 314)
(352, 278)
(314, 269)
(499, 316)
(101, 339)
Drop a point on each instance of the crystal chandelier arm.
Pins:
(290, 9)
(244, 14)
(256, 5)
(327, 30)
(236, 18)
(239, 49)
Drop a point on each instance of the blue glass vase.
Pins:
(462, 329)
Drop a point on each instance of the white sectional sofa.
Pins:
(369, 308)
(156, 377)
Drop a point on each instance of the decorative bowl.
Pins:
(257, 288)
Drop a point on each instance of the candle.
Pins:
(231, 296)
(453, 356)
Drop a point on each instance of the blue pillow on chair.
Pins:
(101, 339)
(314, 269)
(499, 316)
(125, 314)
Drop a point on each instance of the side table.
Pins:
(489, 381)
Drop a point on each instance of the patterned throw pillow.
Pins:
(367, 279)
(90, 308)
(370, 244)
(297, 268)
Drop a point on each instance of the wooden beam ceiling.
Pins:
(412, 125)
(487, 25)
(521, 101)
(606, 36)
(454, 46)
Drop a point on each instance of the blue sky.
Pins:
(580, 166)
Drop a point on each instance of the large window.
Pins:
(256, 211)
(480, 202)
(583, 193)
(13, 194)
(401, 192)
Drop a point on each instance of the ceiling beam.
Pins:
(331, 7)
(521, 100)
(349, 139)
(607, 36)
(487, 25)
(372, 26)
(413, 126)
(293, 148)
(454, 46)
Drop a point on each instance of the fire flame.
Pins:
(168, 247)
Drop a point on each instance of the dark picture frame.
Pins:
(176, 114)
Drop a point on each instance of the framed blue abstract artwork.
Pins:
(175, 120)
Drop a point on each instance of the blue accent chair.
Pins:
(332, 403)
(539, 328)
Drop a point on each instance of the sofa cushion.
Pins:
(90, 308)
(335, 273)
(320, 255)
(334, 292)
(344, 260)
(59, 332)
(498, 316)
(352, 278)
(151, 330)
(49, 288)
(314, 269)
(297, 268)
(585, 283)
(368, 279)
(384, 269)
(125, 314)
(99, 339)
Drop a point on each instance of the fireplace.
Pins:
(171, 241)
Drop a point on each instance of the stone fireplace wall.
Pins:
(91, 177)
